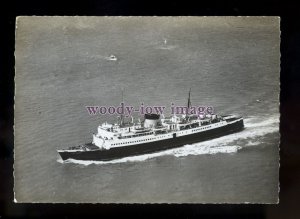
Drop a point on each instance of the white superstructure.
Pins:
(154, 129)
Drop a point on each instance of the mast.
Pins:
(188, 103)
(189, 99)
(122, 116)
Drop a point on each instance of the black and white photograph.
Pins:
(147, 109)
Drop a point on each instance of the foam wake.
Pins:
(254, 128)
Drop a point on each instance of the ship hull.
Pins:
(151, 147)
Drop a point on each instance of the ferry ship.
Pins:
(154, 133)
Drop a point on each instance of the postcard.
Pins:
(146, 109)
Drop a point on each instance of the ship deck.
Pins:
(91, 146)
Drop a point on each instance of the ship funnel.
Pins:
(151, 120)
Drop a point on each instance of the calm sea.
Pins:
(62, 67)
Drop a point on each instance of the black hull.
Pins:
(151, 147)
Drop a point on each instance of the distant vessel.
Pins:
(166, 45)
(123, 139)
(112, 58)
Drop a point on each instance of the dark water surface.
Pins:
(61, 67)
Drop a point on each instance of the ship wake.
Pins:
(254, 129)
